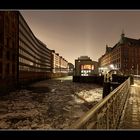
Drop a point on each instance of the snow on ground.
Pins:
(50, 104)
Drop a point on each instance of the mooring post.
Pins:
(106, 89)
(131, 79)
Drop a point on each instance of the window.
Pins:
(88, 67)
(1, 67)
(13, 68)
(13, 57)
(1, 17)
(125, 65)
(118, 66)
(1, 52)
(1, 38)
(7, 68)
(7, 42)
(8, 55)
(13, 45)
(125, 59)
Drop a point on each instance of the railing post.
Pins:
(113, 113)
(107, 116)
(96, 119)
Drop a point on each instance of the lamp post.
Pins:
(137, 70)
(132, 70)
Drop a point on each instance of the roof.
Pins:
(83, 58)
(131, 40)
(124, 40)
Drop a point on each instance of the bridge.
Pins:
(119, 110)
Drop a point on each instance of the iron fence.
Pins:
(106, 114)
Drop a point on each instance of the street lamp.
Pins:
(137, 71)
(132, 69)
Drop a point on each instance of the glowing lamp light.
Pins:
(112, 66)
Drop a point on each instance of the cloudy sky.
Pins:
(73, 33)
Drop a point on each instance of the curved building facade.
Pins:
(34, 56)
(23, 57)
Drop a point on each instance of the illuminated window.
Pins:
(87, 67)
(92, 67)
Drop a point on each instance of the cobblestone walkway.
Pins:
(131, 114)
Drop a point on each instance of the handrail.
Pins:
(106, 113)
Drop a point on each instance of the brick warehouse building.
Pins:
(124, 56)
(8, 49)
(23, 57)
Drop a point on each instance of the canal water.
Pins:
(49, 104)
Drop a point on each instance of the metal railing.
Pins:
(106, 114)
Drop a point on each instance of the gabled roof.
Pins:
(131, 40)
(123, 40)
(126, 40)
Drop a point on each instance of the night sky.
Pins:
(81, 32)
